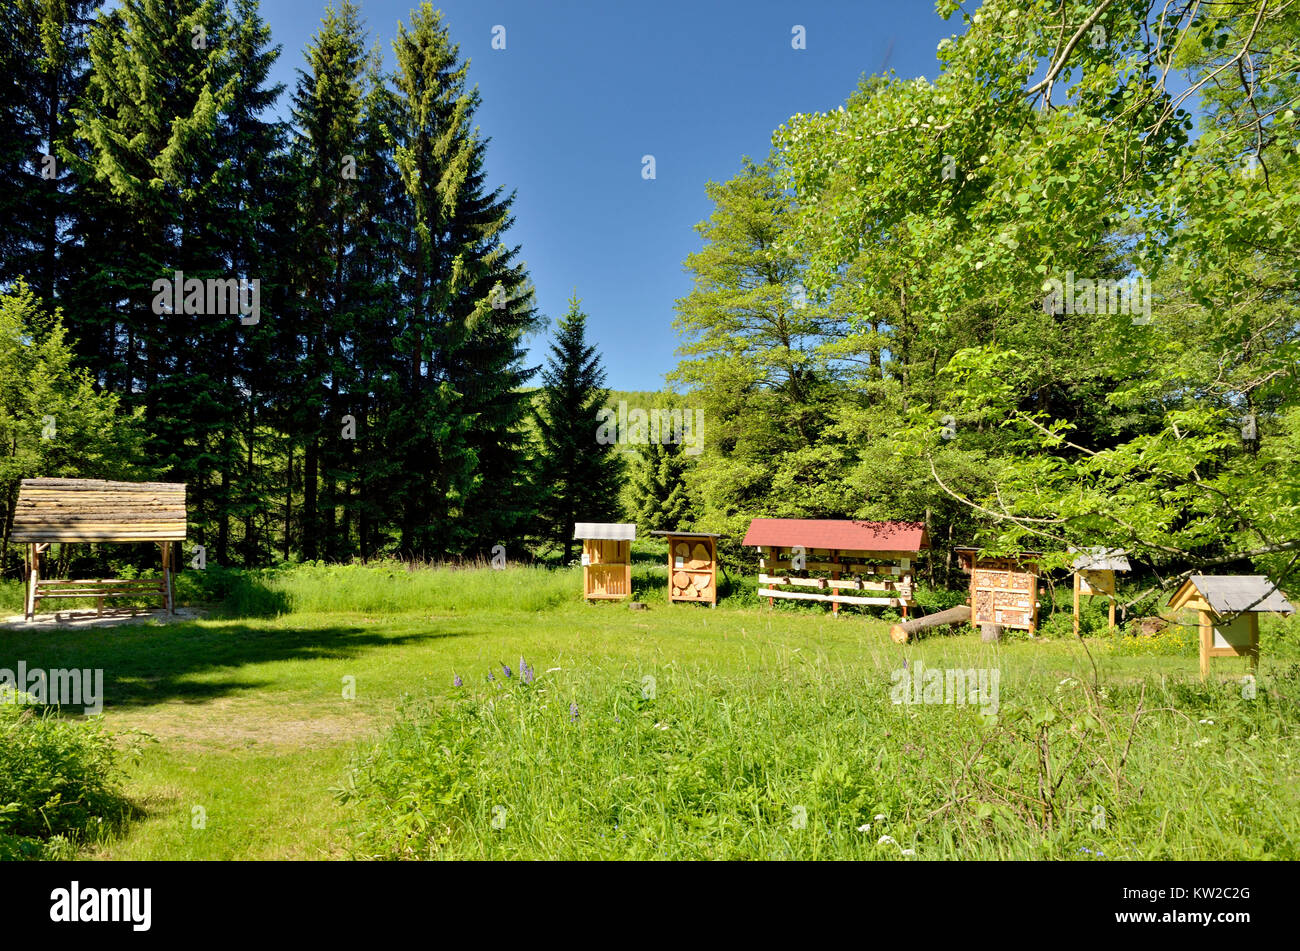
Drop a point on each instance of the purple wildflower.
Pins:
(490, 677)
(527, 674)
(573, 711)
(507, 670)
(456, 681)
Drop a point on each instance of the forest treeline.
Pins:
(1046, 299)
(354, 385)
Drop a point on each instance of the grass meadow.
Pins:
(314, 712)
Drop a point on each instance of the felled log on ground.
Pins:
(903, 631)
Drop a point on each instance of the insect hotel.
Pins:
(1094, 574)
(606, 559)
(692, 566)
(1003, 591)
(92, 510)
(831, 557)
(1229, 607)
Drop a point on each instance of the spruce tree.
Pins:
(660, 493)
(467, 305)
(327, 114)
(578, 476)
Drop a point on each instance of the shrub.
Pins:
(58, 782)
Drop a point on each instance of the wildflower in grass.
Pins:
(573, 711)
(865, 827)
(909, 851)
(886, 838)
(507, 670)
(526, 673)
(490, 677)
(880, 817)
(456, 681)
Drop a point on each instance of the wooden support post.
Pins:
(1111, 600)
(168, 603)
(1254, 641)
(835, 576)
(33, 575)
(1207, 641)
(1076, 604)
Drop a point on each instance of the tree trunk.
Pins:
(904, 631)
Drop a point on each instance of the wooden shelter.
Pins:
(606, 559)
(1003, 591)
(1229, 607)
(692, 566)
(832, 556)
(1094, 574)
(93, 510)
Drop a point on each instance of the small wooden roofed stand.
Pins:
(859, 556)
(1094, 573)
(692, 566)
(93, 510)
(1003, 590)
(1229, 607)
(606, 559)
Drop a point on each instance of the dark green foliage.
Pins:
(59, 782)
(578, 477)
(660, 488)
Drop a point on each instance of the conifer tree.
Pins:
(578, 476)
(467, 305)
(659, 489)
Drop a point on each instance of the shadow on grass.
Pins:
(145, 665)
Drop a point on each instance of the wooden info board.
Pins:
(1003, 590)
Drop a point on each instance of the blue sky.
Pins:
(584, 89)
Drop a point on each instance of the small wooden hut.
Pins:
(1229, 607)
(832, 556)
(606, 559)
(1003, 591)
(692, 566)
(1094, 574)
(94, 510)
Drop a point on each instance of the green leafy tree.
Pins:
(53, 422)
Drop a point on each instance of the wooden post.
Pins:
(625, 552)
(1207, 641)
(168, 595)
(1111, 600)
(835, 576)
(1254, 641)
(1076, 604)
(33, 574)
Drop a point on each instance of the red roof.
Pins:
(836, 534)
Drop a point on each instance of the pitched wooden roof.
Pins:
(608, 531)
(94, 510)
(1232, 594)
(836, 534)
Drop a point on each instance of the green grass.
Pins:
(755, 712)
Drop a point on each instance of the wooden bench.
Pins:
(99, 589)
